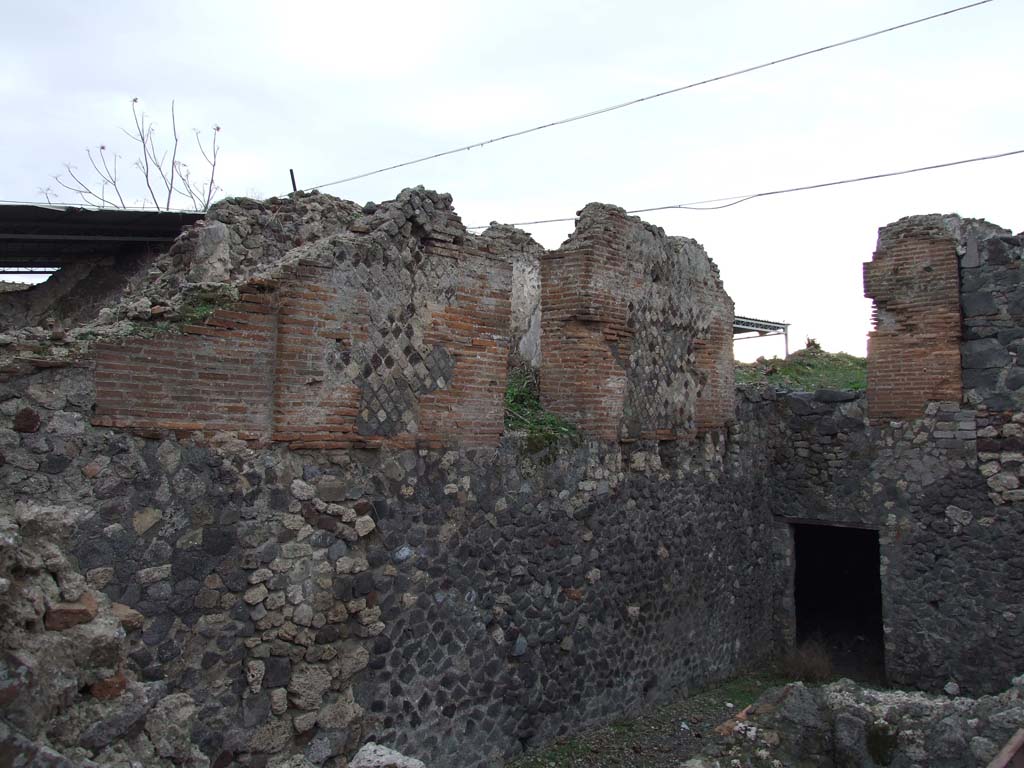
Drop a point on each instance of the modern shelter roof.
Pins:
(39, 237)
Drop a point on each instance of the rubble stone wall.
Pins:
(187, 602)
(296, 526)
(292, 524)
(397, 329)
(938, 467)
(951, 577)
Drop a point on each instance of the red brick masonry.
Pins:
(914, 350)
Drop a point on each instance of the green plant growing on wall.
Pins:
(196, 311)
(199, 302)
(148, 330)
(808, 369)
(524, 413)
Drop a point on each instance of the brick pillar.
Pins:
(584, 335)
(636, 332)
(914, 349)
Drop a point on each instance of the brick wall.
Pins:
(636, 332)
(217, 377)
(914, 349)
(582, 331)
(367, 338)
(396, 330)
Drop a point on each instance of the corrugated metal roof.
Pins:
(37, 236)
(751, 324)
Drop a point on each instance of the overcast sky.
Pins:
(339, 88)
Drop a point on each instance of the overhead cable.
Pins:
(631, 102)
(728, 202)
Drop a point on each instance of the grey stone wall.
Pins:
(825, 457)
(177, 602)
(942, 496)
(459, 606)
(992, 302)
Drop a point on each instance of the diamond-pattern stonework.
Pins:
(636, 331)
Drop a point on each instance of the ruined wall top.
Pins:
(949, 313)
(637, 330)
(325, 324)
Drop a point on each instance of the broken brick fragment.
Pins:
(110, 687)
(66, 615)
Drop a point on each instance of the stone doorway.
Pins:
(838, 597)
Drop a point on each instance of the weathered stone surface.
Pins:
(145, 519)
(169, 726)
(308, 684)
(117, 721)
(340, 712)
(130, 619)
(270, 737)
(26, 420)
(109, 687)
(984, 353)
(18, 750)
(372, 755)
(844, 725)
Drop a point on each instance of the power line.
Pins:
(728, 202)
(631, 102)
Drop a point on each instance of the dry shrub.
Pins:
(810, 662)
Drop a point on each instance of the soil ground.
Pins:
(662, 737)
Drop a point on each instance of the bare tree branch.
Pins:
(112, 175)
(175, 175)
(174, 154)
(82, 190)
(145, 136)
(211, 187)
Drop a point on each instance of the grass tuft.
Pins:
(807, 370)
(810, 662)
(524, 413)
(196, 311)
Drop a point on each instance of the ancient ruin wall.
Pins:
(169, 600)
(951, 583)
(397, 329)
(938, 472)
(636, 331)
(193, 596)
(394, 330)
(914, 349)
(992, 300)
(202, 564)
(525, 254)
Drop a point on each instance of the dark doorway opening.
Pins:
(838, 591)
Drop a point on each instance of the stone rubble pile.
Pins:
(239, 240)
(844, 724)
